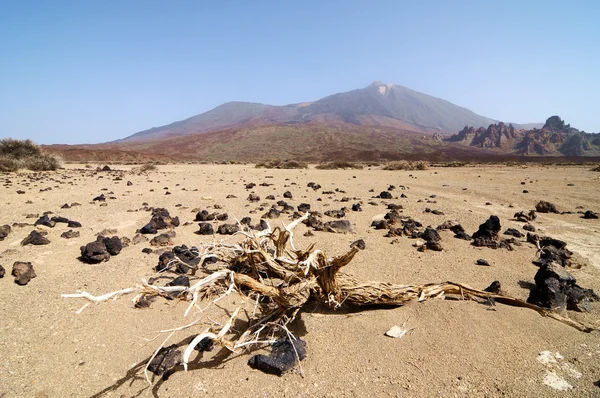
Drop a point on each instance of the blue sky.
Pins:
(94, 71)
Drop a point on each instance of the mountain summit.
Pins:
(377, 105)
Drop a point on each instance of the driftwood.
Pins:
(267, 268)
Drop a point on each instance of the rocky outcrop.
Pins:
(554, 138)
(495, 136)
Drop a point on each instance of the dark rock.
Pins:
(146, 250)
(590, 215)
(513, 232)
(314, 186)
(35, 238)
(529, 227)
(205, 229)
(246, 221)
(313, 222)
(23, 272)
(283, 357)
(272, 213)
(359, 244)
(379, 224)
(204, 215)
(228, 229)
(100, 198)
(287, 194)
(338, 226)
(165, 261)
(161, 219)
(163, 239)
(180, 281)
(356, 207)
(385, 195)
(129, 183)
(4, 231)
(73, 224)
(487, 234)
(253, 197)
(304, 207)
(58, 219)
(45, 221)
(250, 185)
(335, 213)
(165, 360)
(546, 207)
(481, 261)
(94, 252)
(204, 345)
(113, 245)
(70, 234)
(222, 217)
(523, 217)
(2, 271)
(494, 287)
(261, 226)
(462, 235)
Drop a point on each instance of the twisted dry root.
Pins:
(283, 281)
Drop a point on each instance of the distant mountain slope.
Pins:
(377, 105)
(307, 141)
(555, 138)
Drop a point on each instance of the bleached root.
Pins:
(280, 279)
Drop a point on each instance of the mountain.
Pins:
(377, 105)
(555, 138)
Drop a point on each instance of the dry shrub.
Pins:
(339, 164)
(16, 154)
(8, 164)
(597, 168)
(18, 149)
(42, 162)
(282, 164)
(452, 164)
(146, 167)
(405, 165)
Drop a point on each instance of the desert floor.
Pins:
(454, 348)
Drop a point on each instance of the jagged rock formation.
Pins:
(554, 138)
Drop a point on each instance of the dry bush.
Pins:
(597, 168)
(16, 154)
(282, 164)
(43, 162)
(146, 167)
(339, 164)
(18, 149)
(8, 164)
(405, 165)
(452, 164)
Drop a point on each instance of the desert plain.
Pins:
(453, 348)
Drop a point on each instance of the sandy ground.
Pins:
(455, 348)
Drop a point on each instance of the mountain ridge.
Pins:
(377, 105)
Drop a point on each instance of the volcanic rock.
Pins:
(35, 238)
(205, 229)
(228, 229)
(165, 360)
(23, 272)
(4, 231)
(590, 215)
(45, 221)
(94, 252)
(70, 234)
(338, 226)
(282, 358)
(546, 207)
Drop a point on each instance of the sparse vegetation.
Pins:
(452, 164)
(339, 164)
(282, 164)
(16, 154)
(597, 168)
(146, 167)
(405, 165)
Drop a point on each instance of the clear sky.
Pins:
(90, 71)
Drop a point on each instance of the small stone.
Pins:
(23, 272)
(35, 238)
(481, 261)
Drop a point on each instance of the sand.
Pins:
(454, 348)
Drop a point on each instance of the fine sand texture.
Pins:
(454, 348)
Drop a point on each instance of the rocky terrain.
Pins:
(553, 139)
(528, 232)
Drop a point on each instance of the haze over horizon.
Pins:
(85, 72)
